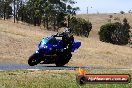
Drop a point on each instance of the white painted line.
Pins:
(33, 69)
(111, 69)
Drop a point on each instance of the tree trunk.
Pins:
(44, 22)
(34, 21)
(68, 20)
(14, 12)
(21, 5)
(17, 11)
(47, 22)
(54, 23)
(4, 10)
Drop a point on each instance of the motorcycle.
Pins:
(55, 49)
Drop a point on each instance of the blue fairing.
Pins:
(75, 46)
(46, 49)
(48, 43)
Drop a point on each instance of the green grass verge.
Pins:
(53, 79)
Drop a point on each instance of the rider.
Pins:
(67, 39)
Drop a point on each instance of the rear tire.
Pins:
(34, 59)
(63, 59)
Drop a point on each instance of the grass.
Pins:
(53, 79)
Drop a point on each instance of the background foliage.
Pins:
(115, 33)
(52, 14)
(80, 26)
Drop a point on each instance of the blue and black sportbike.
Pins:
(55, 49)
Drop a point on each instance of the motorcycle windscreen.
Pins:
(75, 46)
(43, 42)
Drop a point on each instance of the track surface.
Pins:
(49, 67)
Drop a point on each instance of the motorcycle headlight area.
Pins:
(45, 47)
(36, 51)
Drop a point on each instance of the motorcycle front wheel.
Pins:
(34, 59)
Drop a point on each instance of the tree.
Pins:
(6, 9)
(51, 12)
(115, 33)
(80, 27)
(122, 12)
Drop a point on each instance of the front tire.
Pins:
(34, 59)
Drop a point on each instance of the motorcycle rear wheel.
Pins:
(63, 59)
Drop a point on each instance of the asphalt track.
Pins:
(4, 67)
